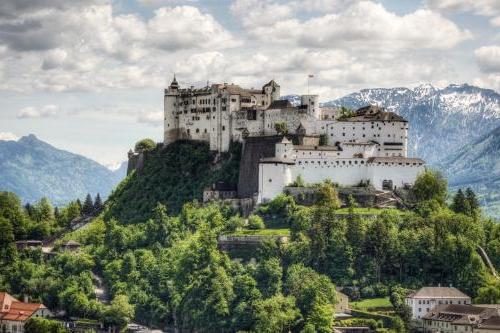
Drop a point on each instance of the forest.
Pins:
(163, 267)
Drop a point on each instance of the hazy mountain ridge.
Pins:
(33, 169)
(477, 165)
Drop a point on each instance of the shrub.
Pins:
(144, 145)
(256, 222)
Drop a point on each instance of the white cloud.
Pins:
(47, 111)
(154, 118)
(366, 25)
(259, 13)
(157, 3)
(488, 8)
(185, 27)
(488, 58)
(8, 136)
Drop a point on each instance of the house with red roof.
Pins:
(14, 314)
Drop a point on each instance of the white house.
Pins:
(426, 298)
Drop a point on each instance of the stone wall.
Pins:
(254, 148)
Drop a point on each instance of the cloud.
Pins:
(47, 111)
(488, 8)
(366, 25)
(258, 13)
(8, 136)
(185, 27)
(488, 58)
(158, 3)
(154, 118)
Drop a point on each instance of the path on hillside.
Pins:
(100, 289)
(487, 262)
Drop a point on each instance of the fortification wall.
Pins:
(254, 148)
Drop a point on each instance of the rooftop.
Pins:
(428, 292)
(374, 113)
(12, 309)
(460, 314)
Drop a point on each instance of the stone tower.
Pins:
(171, 121)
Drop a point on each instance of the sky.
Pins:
(88, 75)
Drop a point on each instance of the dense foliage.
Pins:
(161, 262)
(172, 176)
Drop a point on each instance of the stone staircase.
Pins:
(387, 199)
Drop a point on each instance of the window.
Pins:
(223, 127)
(270, 180)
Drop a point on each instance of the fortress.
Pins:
(367, 146)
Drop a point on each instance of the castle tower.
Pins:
(272, 91)
(171, 121)
(312, 103)
(284, 149)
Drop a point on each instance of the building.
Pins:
(426, 298)
(459, 318)
(71, 246)
(14, 314)
(367, 146)
(346, 163)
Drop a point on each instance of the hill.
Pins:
(33, 169)
(477, 165)
(172, 176)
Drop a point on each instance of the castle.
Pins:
(368, 146)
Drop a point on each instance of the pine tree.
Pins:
(460, 204)
(88, 205)
(79, 203)
(97, 203)
(472, 203)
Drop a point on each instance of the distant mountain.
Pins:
(33, 169)
(441, 120)
(477, 165)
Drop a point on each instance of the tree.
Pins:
(42, 325)
(88, 205)
(256, 222)
(281, 128)
(277, 314)
(345, 112)
(472, 201)
(98, 203)
(44, 210)
(268, 276)
(460, 203)
(430, 186)
(490, 294)
(314, 294)
(7, 247)
(120, 312)
(327, 195)
(144, 145)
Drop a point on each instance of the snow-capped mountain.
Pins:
(441, 120)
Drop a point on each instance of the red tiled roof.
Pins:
(12, 309)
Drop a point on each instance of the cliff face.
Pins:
(254, 148)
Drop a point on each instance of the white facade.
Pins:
(427, 298)
(346, 164)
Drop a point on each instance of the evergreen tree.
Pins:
(98, 203)
(472, 200)
(57, 214)
(460, 203)
(79, 203)
(88, 205)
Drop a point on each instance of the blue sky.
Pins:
(87, 75)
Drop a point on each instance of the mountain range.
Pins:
(34, 169)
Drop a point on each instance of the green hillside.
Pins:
(172, 176)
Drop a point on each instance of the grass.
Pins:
(371, 303)
(366, 211)
(262, 232)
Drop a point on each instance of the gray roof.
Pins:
(491, 323)
(460, 314)
(438, 292)
(397, 159)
